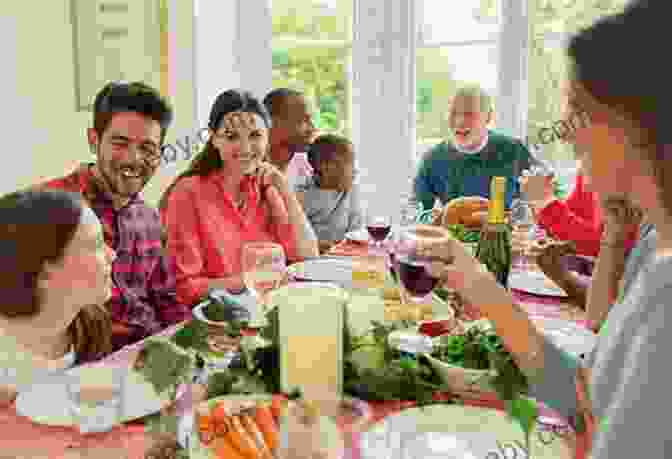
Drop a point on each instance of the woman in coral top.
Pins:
(227, 197)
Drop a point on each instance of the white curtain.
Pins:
(383, 100)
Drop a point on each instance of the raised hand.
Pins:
(536, 188)
(269, 175)
(621, 218)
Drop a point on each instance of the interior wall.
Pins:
(44, 135)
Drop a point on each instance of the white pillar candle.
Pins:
(311, 337)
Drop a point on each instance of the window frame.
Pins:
(424, 144)
(293, 42)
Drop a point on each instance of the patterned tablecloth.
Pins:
(20, 438)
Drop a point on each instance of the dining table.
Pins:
(22, 438)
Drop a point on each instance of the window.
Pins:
(312, 42)
(457, 43)
(551, 23)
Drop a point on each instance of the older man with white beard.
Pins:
(465, 165)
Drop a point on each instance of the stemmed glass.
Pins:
(524, 224)
(411, 268)
(523, 232)
(379, 227)
(264, 265)
(97, 404)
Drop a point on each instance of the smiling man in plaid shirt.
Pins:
(129, 127)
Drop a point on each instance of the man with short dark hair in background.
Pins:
(129, 127)
(291, 130)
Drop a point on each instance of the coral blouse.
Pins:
(206, 231)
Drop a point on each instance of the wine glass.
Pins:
(524, 225)
(263, 266)
(379, 227)
(412, 268)
(523, 229)
(97, 403)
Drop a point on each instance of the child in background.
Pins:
(330, 197)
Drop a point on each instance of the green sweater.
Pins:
(446, 173)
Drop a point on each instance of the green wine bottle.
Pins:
(494, 246)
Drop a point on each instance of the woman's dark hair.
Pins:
(208, 160)
(117, 97)
(608, 61)
(326, 147)
(35, 228)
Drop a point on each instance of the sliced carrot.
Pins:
(225, 450)
(206, 436)
(219, 412)
(263, 416)
(241, 439)
(278, 403)
(253, 430)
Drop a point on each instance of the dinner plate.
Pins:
(456, 431)
(334, 270)
(188, 437)
(49, 403)
(568, 335)
(535, 282)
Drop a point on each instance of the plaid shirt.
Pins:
(143, 292)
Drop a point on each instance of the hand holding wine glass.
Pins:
(412, 265)
(452, 263)
(537, 186)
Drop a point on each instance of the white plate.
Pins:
(452, 432)
(337, 270)
(48, 403)
(188, 438)
(569, 336)
(361, 235)
(535, 282)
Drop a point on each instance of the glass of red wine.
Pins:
(410, 267)
(378, 227)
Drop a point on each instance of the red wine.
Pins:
(415, 277)
(378, 233)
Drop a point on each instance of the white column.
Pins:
(254, 57)
(513, 68)
(383, 100)
(215, 43)
(233, 49)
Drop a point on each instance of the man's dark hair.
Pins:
(276, 100)
(118, 97)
